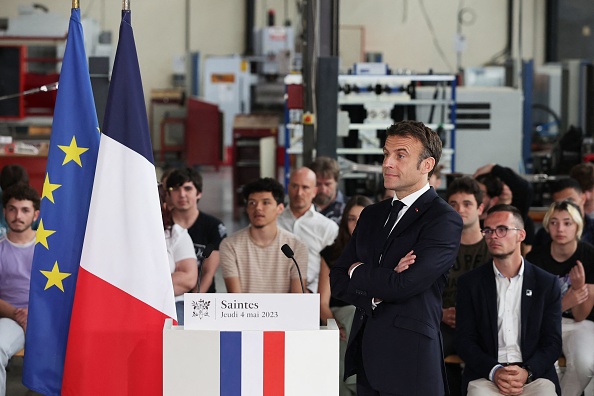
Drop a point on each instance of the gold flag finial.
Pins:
(75, 4)
(126, 5)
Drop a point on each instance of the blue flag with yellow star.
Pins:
(66, 195)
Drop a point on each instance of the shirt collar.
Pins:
(410, 199)
(500, 275)
(310, 212)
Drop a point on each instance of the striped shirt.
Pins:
(262, 269)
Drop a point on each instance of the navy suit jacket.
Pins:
(476, 323)
(399, 343)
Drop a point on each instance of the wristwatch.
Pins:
(530, 375)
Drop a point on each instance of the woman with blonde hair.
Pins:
(573, 262)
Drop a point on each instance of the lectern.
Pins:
(256, 355)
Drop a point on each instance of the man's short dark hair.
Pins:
(467, 185)
(21, 192)
(428, 138)
(13, 174)
(492, 183)
(510, 209)
(562, 184)
(326, 167)
(265, 184)
(179, 177)
(584, 174)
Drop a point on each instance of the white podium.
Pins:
(250, 362)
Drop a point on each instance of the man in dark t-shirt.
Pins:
(206, 231)
(465, 196)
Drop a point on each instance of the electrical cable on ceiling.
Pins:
(88, 9)
(434, 36)
(404, 11)
(466, 16)
(314, 61)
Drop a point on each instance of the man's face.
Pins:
(262, 209)
(572, 195)
(465, 204)
(326, 190)
(302, 190)
(503, 247)
(401, 168)
(185, 197)
(20, 215)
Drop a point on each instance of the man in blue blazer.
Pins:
(508, 317)
(395, 344)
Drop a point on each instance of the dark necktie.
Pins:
(396, 207)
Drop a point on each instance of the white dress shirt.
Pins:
(316, 231)
(509, 317)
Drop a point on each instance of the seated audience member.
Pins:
(251, 258)
(584, 174)
(301, 219)
(11, 175)
(492, 189)
(516, 191)
(383, 193)
(164, 177)
(21, 209)
(185, 190)
(568, 189)
(329, 200)
(465, 196)
(330, 307)
(508, 317)
(181, 255)
(572, 261)
(435, 179)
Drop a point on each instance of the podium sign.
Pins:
(250, 363)
(250, 311)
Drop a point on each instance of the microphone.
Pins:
(289, 253)
(205, 254)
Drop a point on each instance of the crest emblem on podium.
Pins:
(200, 308)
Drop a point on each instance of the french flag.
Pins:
(124, 291)
(250, 362)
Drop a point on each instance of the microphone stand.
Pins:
(287, 251)
(299, 272)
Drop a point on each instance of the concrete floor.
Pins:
(217, 200)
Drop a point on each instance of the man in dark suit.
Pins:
(508, 317)
(395, 344)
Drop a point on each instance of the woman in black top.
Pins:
(573, 262)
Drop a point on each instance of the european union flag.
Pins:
(66, 195)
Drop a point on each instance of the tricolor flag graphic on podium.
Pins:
(124, 291)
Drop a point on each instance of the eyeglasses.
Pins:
(500, 231)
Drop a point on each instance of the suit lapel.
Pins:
(383, 211)
(412, 214)
(491, 300)
(420, 206)
(528, 287)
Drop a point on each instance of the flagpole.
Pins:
(75, 4)
(125, 5)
